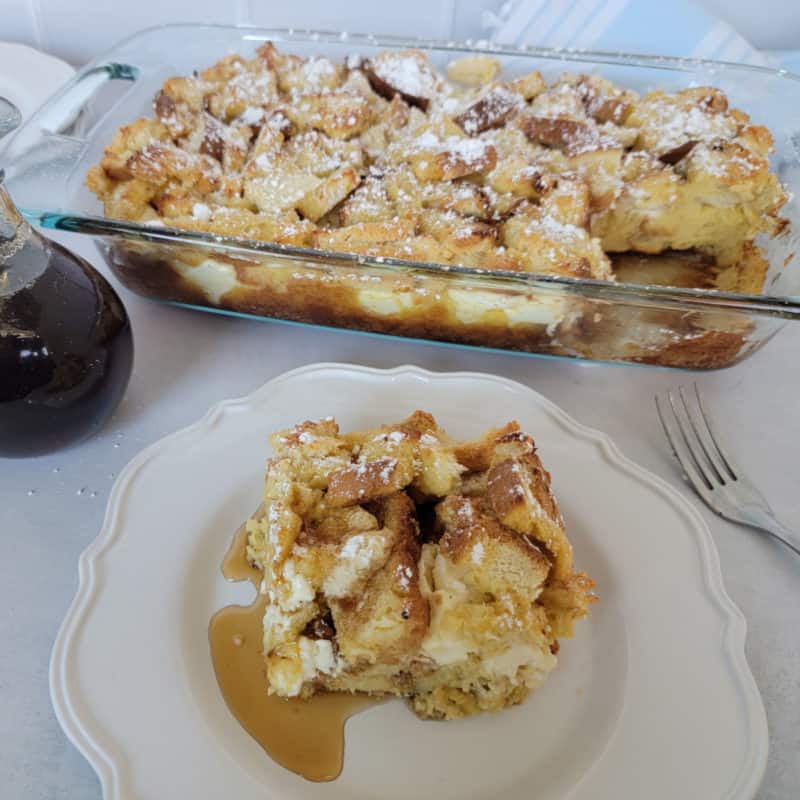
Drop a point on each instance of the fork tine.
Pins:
(692, 476)
(731, 468)
(699, 432)
(692, 450)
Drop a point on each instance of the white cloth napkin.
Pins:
(28, 76)
(673, 27)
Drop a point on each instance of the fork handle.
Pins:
(775, 528)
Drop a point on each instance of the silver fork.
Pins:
(710, 471)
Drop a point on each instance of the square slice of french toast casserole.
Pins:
(397, 561)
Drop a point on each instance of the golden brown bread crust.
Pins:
(467, 520)
(391, 603)
(460, 617)
(277, 146)
(370, 480)
(518, 489)
(477, 455)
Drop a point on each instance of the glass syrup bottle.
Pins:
(66, 349)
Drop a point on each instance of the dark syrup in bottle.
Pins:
(66, 349)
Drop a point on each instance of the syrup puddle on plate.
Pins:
(305, 736)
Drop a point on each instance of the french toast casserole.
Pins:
(388, 158)
(397, 561)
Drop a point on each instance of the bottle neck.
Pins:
(14, 231)
(24, 255)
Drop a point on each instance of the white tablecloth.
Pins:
(52, 507)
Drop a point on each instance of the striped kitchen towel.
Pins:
(672, 27)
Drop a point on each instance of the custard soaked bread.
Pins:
(387, 157)
(398, 561)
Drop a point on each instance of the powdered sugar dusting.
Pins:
(556, 230)
(408, 73)
(404, 575)
(201, 211)
(673, 126)
(317, 70)
(388, 466)
(469, 150)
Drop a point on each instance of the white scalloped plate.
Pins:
(652, 698)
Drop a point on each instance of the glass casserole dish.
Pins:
(626, 320)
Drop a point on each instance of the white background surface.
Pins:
(59, 26)
(186, 361)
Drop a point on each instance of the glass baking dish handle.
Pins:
(41, 156)
(58, 114)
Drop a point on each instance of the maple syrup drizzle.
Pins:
(305, 736)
